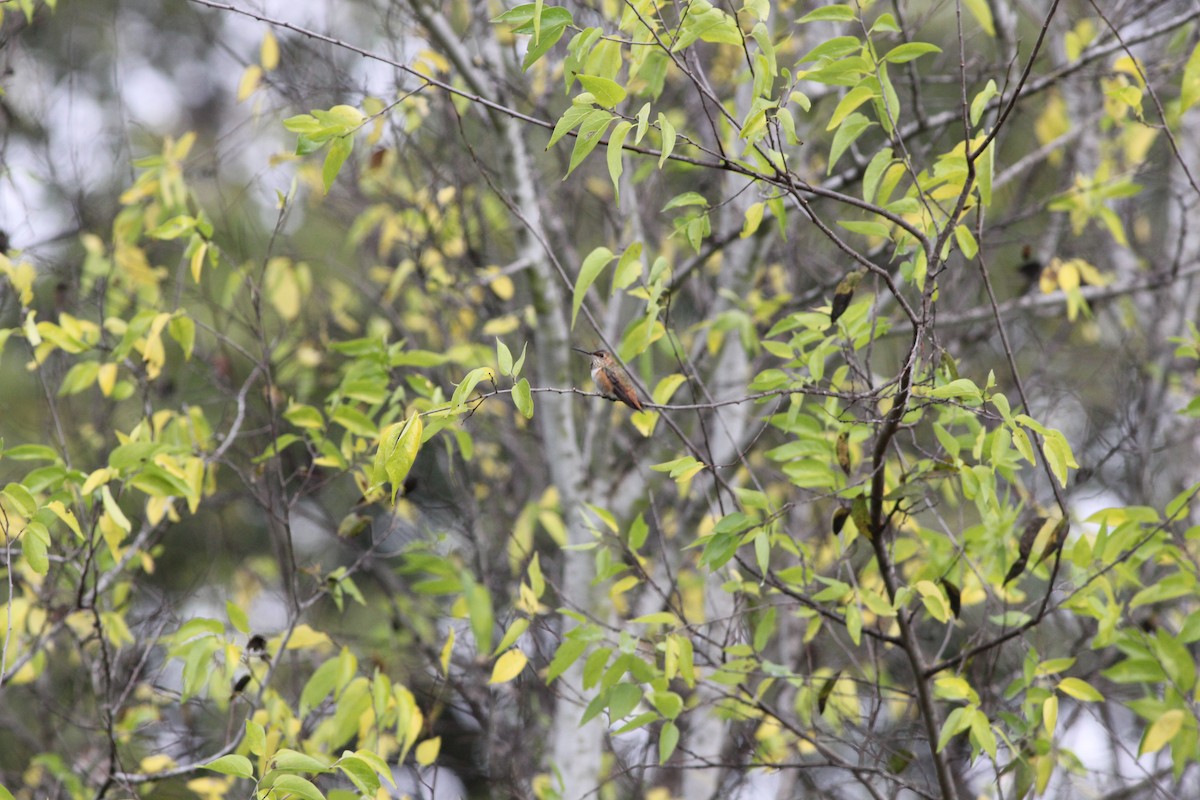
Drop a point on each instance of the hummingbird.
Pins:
(612, 381)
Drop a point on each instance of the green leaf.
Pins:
(19, 496)
(514, 632)
(35, 551)
(591, 268)
(360, 774)
(291, 761)
(906, 52)
(504, 359)
(980, 101)
(574, 115)
(182, 329)
(479, 612)
(832, 49)
(523, 398)
(591, 131)
(567, 654)
(237, 617)
(616, 164)
(623, 699)
(984, 169)
(879, 229)
(232, 764)
(874, 171)
(354, 421)
(686, 199)
(472, 379)
(173, 228)
(853, 127)
(629, 267)
(31, 452)
(958, 389)
(319, 685)
(854, 623)
(834, 13)
(256, 737)
(339, 150)
(956, 722)
(668, 739)
(966, 241)
(296, 785)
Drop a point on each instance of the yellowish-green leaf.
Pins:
(668, 138)
(934, 600)
(427, 751)
(522, 397)
(754, 216)
(853, 99)
(1080, 690)
(982, 13)
(114, 510)
(398, 446)
(606, 92)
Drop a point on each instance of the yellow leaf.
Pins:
(508, 666)
(427, 751)
(503, 287)
(305, 637)
(499, 326)
(197, 264)
(283, 288)
(96, 480)
(1068, 276)
(1050, 714)
(158, 763)
(106, 378)
(66, 515)
(1162, 731)
(268, 54)
(249, 82)
(113, 511)
(447, 649)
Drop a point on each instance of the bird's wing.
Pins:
(628, 396)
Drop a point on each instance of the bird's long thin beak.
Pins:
(580, 350)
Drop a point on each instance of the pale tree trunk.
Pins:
(574, 751)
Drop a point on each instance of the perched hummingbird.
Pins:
(841, 297)
(611, 380)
